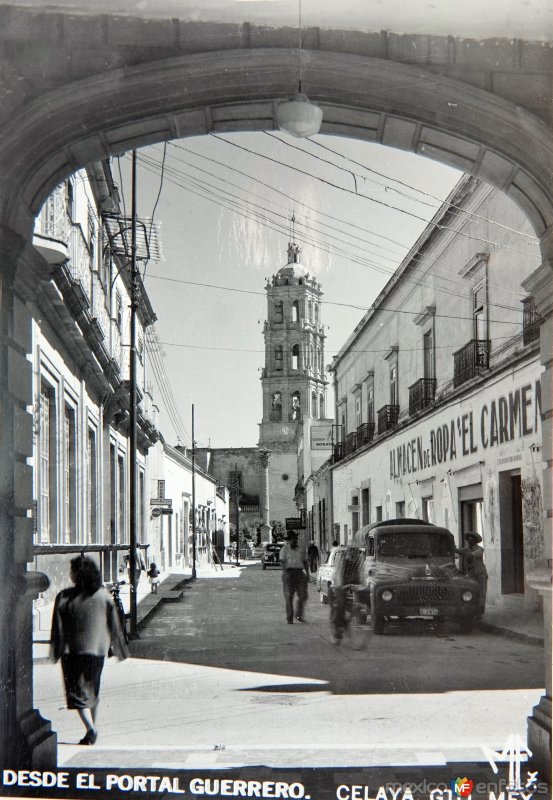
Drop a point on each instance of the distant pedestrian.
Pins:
(153, 575)
(295, 577)
(313, 557)
(139, 565)
(85, 629)
(473, 560)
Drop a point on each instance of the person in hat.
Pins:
(295, 576)
(473, 559)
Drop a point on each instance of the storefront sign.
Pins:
(321, 437)
(493, 422)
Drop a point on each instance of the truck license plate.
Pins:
(427, 611)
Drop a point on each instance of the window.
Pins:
(92, 486)
(295, 413)
(394, 395)
(69, 199)
(278, 358)
(119, 311)
(358, 410)
(69, 477)
(47, 467)
(365, 507)
(428, 354)
(121, 486)
(278, 309)
(370, 402)
(479, 313)
(296, 356)
(276, 407)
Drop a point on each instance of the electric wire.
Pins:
(366, 263)
(470, 214)
(356, 194)
(382, 268)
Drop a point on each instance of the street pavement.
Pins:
(220, 681)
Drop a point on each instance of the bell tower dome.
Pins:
(293, 379)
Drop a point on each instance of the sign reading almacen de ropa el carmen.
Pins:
(498, 416)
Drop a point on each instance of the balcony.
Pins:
(531, 321)
(100, 316)
(80, 263)
(351, 442)
(421, 394)
(365, 433)
(471, 360)
(387, 418)
(51, 232)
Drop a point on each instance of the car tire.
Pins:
(377, 624)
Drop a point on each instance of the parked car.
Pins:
(328, 573)
(271, 555)
(409, 571)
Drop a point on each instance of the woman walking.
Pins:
(85, 629)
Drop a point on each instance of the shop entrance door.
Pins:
(512, 540)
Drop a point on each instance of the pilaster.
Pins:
(26, 739)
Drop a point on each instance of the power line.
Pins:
(331, 302)
(366, 263)
(356, 194)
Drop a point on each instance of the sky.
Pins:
(224, 207)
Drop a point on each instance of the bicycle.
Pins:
(114, 589)
(349, 615)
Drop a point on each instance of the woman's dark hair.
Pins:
(86, 574)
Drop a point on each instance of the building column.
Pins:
(264, 457)
(539, 285)
(26, 739)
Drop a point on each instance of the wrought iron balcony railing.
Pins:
(531, 321)
(337, 452)
(471, 360)
(365, 433)
(387, 417)
(351, 442)
(421, 394)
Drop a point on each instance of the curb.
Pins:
(519, 636)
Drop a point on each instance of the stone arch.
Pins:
(367, 98)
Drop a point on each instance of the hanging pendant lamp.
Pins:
(299, 116)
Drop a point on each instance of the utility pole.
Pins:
(237, 511)
(133, 515)
(193, 498)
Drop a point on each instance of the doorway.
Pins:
(512, 536)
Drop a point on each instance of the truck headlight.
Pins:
(467, 596)
(387, 595)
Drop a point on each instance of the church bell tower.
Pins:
(293, 378)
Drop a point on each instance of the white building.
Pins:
(438, 393)
(80, 357)
(176, 486)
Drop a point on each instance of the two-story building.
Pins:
(438, 393)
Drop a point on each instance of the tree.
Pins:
(279, 530)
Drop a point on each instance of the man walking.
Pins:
(295, 576)
(313, 557)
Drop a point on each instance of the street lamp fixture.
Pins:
(298, 116)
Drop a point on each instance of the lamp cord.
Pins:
(299, 44)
